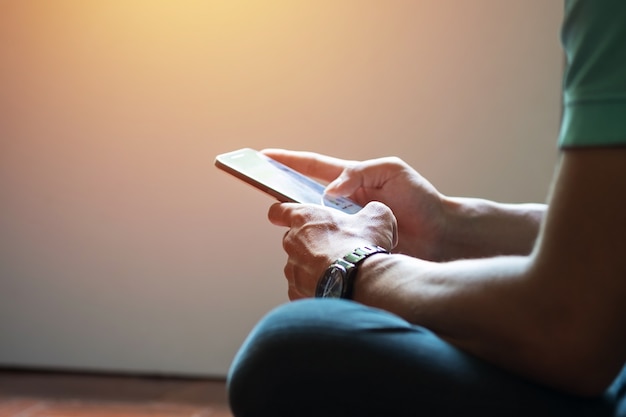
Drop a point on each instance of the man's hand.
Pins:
(317, 236)
(416, 204)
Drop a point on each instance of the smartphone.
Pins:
(279, 181)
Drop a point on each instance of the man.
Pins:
(525, 305)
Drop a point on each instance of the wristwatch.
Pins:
(337, 280)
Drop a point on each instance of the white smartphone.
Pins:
(278, 180)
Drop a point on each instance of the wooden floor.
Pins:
(47, 394)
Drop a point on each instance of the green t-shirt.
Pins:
(594, 87)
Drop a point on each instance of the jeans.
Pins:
(326, 358)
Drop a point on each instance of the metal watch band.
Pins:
(360, 254)
(337, 280)
(355, 258)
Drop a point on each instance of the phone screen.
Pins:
(280, 181)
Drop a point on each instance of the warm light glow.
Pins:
(116, 229)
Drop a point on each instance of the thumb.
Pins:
(384, 215)
(344, 185)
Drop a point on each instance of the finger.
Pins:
(288, 271)
(294, 294)
(294, 214)
(346, 184)
(293, 291)
(371, 174)
(279, 214)
(322, 167)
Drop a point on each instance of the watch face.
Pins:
(332, 283)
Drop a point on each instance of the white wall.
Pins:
(123, 248)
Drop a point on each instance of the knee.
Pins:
(298, 343)
(261, 364)
(285, 348)
(276, 334)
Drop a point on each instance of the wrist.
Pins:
(476, 228)
(460, 216)
(338, 279)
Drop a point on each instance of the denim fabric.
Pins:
(320, 357)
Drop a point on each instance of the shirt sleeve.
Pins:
(594, 86)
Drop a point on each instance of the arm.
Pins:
(556, 316)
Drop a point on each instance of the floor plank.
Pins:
(46, 394)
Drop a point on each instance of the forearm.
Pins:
(494, 308)
(477, 228)
(464, 300)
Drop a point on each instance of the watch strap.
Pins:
(360, 254)
(350, 263)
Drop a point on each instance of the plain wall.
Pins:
(123, 248)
